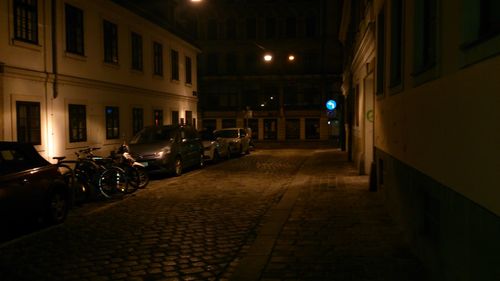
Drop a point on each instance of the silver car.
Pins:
(169, 148)
(215, 148)
(238, 139)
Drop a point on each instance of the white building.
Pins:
(89, 73)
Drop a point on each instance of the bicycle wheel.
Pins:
(143, 176)
(113, 183)
(133, 178)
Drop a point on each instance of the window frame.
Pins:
(110, 42)
(26, 30)
(112, 114)
(137, 119)
(157, 58)
(174, 60)
(77, 122)
(136, 51)
(189, 69)
(75, 30)
(31, 128)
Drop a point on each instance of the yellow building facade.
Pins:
(89, 73)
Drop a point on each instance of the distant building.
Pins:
(79, 73)
(280, 99)
(421, 81)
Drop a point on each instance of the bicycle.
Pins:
(95, 173)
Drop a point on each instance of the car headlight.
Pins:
(165, 151)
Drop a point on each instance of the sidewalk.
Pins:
(328, 226)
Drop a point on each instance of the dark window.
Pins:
(77, 122)
(174, 57)
(110, 33)
(228, 123)
(209, 124)
(26, 20)
(292, 129)
(291, 27)
(189, 117)
(189, 78)
(175, 117)
(231, 63)
(74, 30)
(489, 24)
(425, 35)
(251, 26)
(158, 117)
(137, 119)
(380, 52)
(253, 124)
(112, 122)
(251, 60)
(212, 63)
(270, 129)
(270, 28)
(157, 59)
(311, 26)
(212, 29)
(231, 29)
(396, 43)
(312, 128)
(28, 122)
(136, 44)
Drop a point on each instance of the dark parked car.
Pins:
(30, 186)
(168, 148)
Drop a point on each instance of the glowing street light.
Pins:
(268, 57)
(291, 58)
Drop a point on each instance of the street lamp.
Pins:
(268, 57)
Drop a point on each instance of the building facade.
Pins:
(421, 84)
(282, 98)
(89, 73)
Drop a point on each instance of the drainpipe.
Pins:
(54, 47)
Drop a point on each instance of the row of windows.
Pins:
(272, 28)
(29, 126)
(270, 127)
(26, 29)
(233, 63)
(482, 19)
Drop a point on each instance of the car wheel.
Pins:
(216, 157)
(228, 153)
(178, 166)
(57, 207)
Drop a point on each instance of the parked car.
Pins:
(214, 148)
(168, 148)
(30, 186)
(238, 139)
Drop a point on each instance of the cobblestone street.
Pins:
(289, 214)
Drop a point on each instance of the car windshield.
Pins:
(226, 134)
(152, 135)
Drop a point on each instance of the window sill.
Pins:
(425, 75)
(111, 64)
(480, 49)
(75, 56)
(27, 45)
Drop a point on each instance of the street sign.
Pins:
(331, 104)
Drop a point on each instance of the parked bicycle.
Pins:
(93, 173)
(136, 173)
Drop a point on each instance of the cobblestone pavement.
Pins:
(271, 215)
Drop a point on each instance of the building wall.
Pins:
(436, 135)
(28, 75)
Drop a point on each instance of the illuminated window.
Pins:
(26, 20)
(77, 123)
(28, 122)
